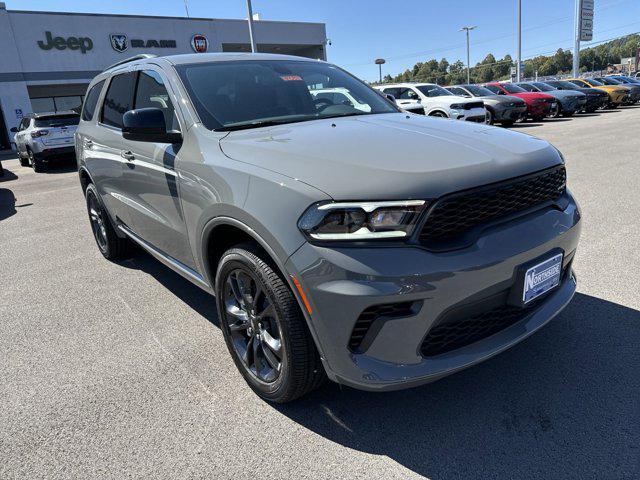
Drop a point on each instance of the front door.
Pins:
(152, 180)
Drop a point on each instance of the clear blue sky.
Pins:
(403, 32)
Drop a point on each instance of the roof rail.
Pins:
(142, 56)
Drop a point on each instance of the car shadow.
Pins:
(525, 125)
(199, 300)
(7, 202)
(7, 176)
(61, 166)
(557, 120)
(562, 404)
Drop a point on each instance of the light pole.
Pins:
(380, 62)
(576, 44)
(252, 37)
(519, 23)
(468, 29)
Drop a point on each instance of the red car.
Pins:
(539, 105)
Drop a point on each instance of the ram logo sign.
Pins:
(119, 42)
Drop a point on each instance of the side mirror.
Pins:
(148, 125)
(14, 129)
(390, 97)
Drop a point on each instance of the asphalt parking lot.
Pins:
(120, 370)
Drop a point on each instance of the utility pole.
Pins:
(576, 45)
(252, 36)
(468, 29)
(519, 22)
(186, 7)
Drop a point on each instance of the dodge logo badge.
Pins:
(119, 42)
(199, 43)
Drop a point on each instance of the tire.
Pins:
(24, 162)
(35, 162)
(439, 115)
(490, 118)
(269, 341)
(109, 243)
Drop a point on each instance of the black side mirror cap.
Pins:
(390, 97)
(148, 125)
(14, 129)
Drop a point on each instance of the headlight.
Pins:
(361, 220)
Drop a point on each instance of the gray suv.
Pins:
(42, 138)
(352, 241)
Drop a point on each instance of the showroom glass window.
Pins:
(119, 99)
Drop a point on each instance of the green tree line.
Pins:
(444, 73)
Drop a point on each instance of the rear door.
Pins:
(152, 180)
(104, 146)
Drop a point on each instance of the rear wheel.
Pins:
(109, 243)
(264, 328)
(35, 162)
(23, 161)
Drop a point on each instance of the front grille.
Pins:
(369, 316)
(455, 215)
(472, 105)
(448, 336)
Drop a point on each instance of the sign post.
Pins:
(380, 62)
(583, 29)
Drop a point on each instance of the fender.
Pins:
(210, 276)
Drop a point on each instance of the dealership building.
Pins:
(47, 59)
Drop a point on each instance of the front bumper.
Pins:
(471, 115)
(542, 109)
(511, 114)
(573, 105)
(340, 283)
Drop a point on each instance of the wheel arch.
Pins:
(438, 110)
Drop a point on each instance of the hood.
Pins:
(451, 99)
(529, 96)
(502, 99)
(565, 94)
(390, 156)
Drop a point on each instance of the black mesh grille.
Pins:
(452, 335)
(472, 105)
(371, 314)
(454, 215)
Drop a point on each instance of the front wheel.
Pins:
(264, 328)
(35, 162)
(489, 118)
(439, 115)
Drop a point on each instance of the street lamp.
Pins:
(252, 37)
(380, 62)
(468, 29)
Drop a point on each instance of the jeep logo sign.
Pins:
(84, 44)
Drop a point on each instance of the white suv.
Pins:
(435, 101)
(44, 137)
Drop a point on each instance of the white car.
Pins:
(435, 101)
(338, 96)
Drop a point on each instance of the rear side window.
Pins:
(151, 92)
(119, 99)
(91, 100)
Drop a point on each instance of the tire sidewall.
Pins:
(92, 191)
(240, 258)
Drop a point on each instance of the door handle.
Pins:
(127, 155)
(88, 143)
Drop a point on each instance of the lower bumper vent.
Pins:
(371, 320)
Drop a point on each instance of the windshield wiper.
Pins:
(260, 123)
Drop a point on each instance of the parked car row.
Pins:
(506, 103)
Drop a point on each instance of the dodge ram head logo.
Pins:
(199, 43)
(119, 42)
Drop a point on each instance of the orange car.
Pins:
(618, 94)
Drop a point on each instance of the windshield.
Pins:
(594, 82)
(528, 87)
(566, 85)
(434, 91)
(608, 81)
(478, 91)
(59, 121)
(231, 95)
(544, 87)
(511, 88)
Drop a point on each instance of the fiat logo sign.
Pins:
(199, 43)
